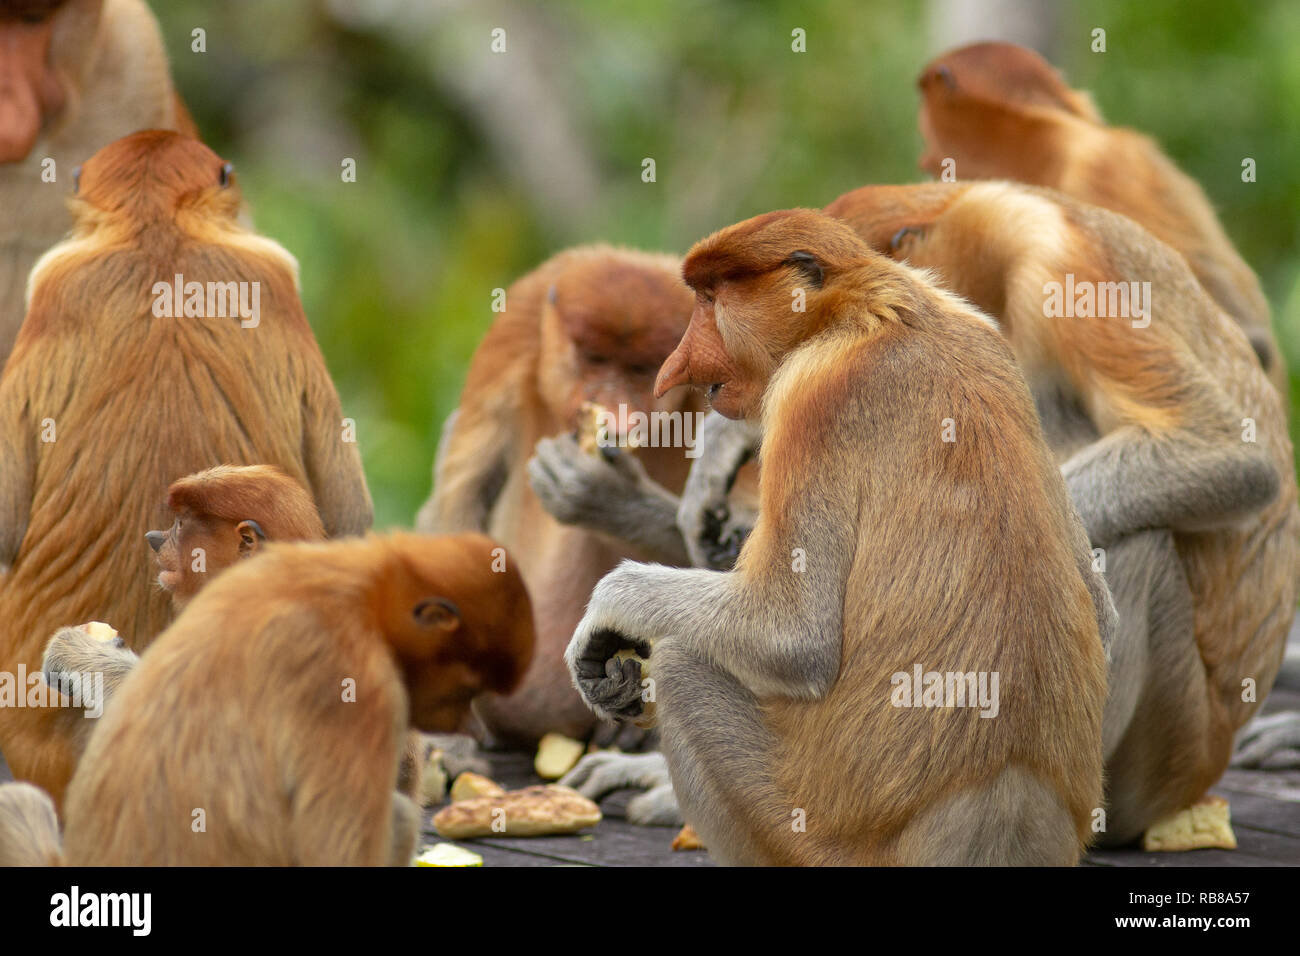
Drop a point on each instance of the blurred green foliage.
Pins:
(398, 268)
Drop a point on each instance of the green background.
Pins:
(472, 167)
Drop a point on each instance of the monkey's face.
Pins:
(605, 344)
(193, 549)
(703, 360)
(31, 93)
(457, 616)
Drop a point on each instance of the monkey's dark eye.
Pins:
(807, 263)
(903, 236)
(76, 180)
(226, 170)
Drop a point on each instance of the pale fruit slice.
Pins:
(533, 811)
(1204, 825)
(100, 631)
(433, 781)
(470, 785)
(556, 756)
(688, 839)
(447, 854)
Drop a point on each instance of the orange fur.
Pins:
(134, 401)
(590, 324)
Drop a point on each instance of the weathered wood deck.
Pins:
(1265, 818)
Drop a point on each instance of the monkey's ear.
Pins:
(437, 614)
(251, 537)
(809, 265)
(224, 177)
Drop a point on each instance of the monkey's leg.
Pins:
(1157, 716)
(1270, 743)
(42, 745)
(719, 755)
(406, 830)
(1014, 820)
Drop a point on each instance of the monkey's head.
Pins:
(35, 36)
(762, 287)
(609, 320)
(155, 176)
(976, 102)
(226, 514)
(457, 616)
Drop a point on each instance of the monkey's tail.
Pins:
(29, 827)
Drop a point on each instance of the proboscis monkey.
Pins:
(274, 710)
(74, 76)
(1173, 445)
(999, 111)
(117, 387)
(911, 520)
(591, 324)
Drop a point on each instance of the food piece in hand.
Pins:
(533, 811)
(556, 756)
(594, 436)
(647, 718)
(447, 854)
(688, 839)
(100, 631)
(470, 785)
(1202, 826)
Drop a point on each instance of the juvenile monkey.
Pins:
(74, 76)
(275, 708)
(226, 514)
(911, 518)
(1173, 446)
(223, 514)
(999, 111)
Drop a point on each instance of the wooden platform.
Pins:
(1265, 817)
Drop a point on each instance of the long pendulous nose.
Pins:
(156, 539)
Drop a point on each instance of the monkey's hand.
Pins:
(75, 653)
(610, 493)
(713, 534)
(611, 686)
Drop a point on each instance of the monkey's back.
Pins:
(942, 580)
(214, 716)
(132, 402)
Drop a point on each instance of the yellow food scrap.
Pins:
(1202, 826)
(556, 755)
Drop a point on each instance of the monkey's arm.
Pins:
(1133, 479)
(17, 473)
(775, 624)
(470, 470)
(712, 533)
(334, 463)
(613, 496)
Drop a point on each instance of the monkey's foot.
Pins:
(1205, 825)
(599, 774)
(1270, 743)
